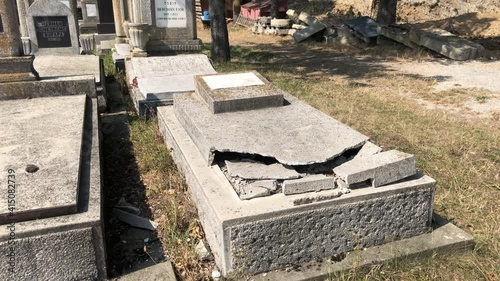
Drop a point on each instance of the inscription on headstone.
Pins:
(52, 32)
(171, 13)
(91, 10)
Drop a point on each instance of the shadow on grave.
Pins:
(128, 248)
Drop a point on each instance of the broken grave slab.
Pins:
(273, 232)
(295, 134)
(363, 27)
(251, 170)
(43, 135)
(447, 44)
(398, 33)
(312, 183)
(257, 189)
(237, 91)
(368, 149)
(381, 168)
(303, 34)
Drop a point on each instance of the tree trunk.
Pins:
(236, 9)
(274, 8)
(387, 12)
(218, 28)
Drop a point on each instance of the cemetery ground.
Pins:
(453, 131)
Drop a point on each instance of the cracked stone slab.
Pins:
(252, 170)
(382, 168)
(368, 149)
(255, 190)
(45, 134)
(238, 91)
(294, 134)
(313, 183)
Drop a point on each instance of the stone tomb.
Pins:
(306, 211)
(156, 79)
(172, 25)
(52, 28)
(51, 157)
(90, 13)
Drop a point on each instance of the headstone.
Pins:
(172, 24)
(90, 17)
(106, 23)
(52, 29)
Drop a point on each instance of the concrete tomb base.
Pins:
(155, 80)
(55, 229)
(264, 228)
(14, 69)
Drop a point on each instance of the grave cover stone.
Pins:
(52, 28)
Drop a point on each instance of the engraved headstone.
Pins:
(172, 24)
(52, 28)
(90, 17)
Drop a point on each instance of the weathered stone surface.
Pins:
(252, 191)
(251, 170)
(400, 34)
(10, 37)
(269, 231)
(295, 134)
(158, 78)
(303, 34)
(57, 67)
(238, 91)
(313, 183)
(69, 233)
(13, 69)
(159, 272)
(202, 252)
(368, 149)
(134, 220)
(447, 44)
(363, 27)
(268, 184)
(382, 168)
(42, 134)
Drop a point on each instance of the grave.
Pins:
(52, 29)
(51, 157)
(155, 80)
(90, 13)
(267, 186)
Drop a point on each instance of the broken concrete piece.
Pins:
(364, 27)
(237, 91)
(298, 26)
(292, 14)
(397, 33)
(134, 220)
(307, 19)
(309, 31)
(308, 184)
(447, 44)
(253, 191)
(202, 252)
(252, 170)
(368, 149)
(280, 23)
(382, 168)
(295, 134)
(271, 185)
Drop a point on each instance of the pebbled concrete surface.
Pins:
(294, 134)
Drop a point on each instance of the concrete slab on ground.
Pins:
(398, 33)
(267, 231)
(68, 247)
(294, 134)
(159, 272)
(303, 34)
(237, 92)
(445, 238)
(363, 27)
(43, 135)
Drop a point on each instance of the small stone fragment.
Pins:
(308, 184)
(252, 170)
(271, 185)
(381, 168)
(368, 149)
(251, 191)
(216, 274)
(202, 251)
